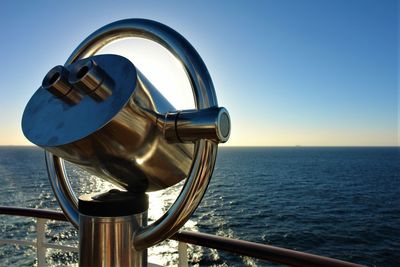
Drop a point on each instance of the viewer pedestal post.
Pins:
(107, 227)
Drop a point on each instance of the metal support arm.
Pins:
(205, 151)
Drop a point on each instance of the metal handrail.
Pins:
(40, 243)
(259, 251)
(244, 248)
(37, 213)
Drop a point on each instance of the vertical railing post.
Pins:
(40, 238)
(182, 252)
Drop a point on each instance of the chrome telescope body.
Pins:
(101, 113)
(114, 137)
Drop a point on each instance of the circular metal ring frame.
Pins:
(205, 151)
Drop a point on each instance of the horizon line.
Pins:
(261, 146)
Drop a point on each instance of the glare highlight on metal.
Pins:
(124, 131)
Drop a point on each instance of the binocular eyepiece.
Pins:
(86, 78)
(104, 115)
(101, 113)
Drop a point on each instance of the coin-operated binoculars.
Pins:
(101, 113)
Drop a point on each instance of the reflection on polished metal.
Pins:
(112, 138)
(107, 241)
(191, 125)
(107, 223)
(62, 188)
(91, 79)
(56, 82)
(240, 247)
(202, 153)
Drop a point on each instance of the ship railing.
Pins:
(244, 248)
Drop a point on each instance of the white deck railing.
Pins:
(244, 248)
(41, 245)
(40, 242)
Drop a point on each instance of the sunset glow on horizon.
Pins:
(290, 73)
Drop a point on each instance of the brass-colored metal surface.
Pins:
(191, 125)
(62, 188)
(92, 80)
(56, 82)
(107, 241)
(205, 151)
(111, 138)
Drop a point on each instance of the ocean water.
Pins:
(337, 202)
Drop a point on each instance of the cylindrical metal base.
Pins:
(108, 241)
(107, 223)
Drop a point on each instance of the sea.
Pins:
(340, 202)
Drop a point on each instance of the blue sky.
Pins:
(290, 72)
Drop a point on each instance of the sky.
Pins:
(308, 73)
